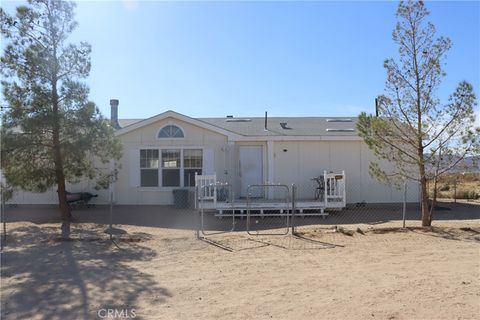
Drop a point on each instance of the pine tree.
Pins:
(51, 133)
(420, 136)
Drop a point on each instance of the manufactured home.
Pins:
(168, 151)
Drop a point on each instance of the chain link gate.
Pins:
(215, 209)
(268, 209)
(306, 217)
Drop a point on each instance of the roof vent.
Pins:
(238, 120)
(339, 120)
(340, 130)
(284, 126)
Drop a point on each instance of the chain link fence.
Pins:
(280, 211)
(285, 215)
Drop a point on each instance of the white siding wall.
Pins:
(51, 197)
(299, 161)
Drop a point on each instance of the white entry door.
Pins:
(251, 169)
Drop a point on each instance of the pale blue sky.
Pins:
(288, 58)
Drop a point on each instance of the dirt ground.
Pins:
(356, 271)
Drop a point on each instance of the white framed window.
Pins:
(192, 164)
(149, 167)
(173, 167)
(170, 131)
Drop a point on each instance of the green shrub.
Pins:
(468, 194)
(444, 195)
(474, 195)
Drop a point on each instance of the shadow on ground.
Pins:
(49, 276)
(460, 234)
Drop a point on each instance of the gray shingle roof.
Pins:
(126, 122)
(295, 126)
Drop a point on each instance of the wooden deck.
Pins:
(265, 209)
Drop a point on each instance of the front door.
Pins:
(251, 169)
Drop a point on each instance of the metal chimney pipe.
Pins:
(266, 127)
(114, 113)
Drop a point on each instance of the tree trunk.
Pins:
(65, 213)
(426, 220)
(435, 186)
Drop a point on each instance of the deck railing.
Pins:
(335, 196)
(333, 190)
(206, 188)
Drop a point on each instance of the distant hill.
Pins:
(465, 165)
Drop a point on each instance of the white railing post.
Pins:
(207, 187)
(214, 190)
(335, 193)
(325, 197)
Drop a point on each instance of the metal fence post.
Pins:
(2, 208)
(455, 190)
(196, 213)
(294, 196)
(111, 214)
(404, 202)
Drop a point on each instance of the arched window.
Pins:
(170, 131)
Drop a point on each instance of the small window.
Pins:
(192, 164)
(149, 168)
(170, 168)
(170, 131)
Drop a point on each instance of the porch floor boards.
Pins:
(265, 209)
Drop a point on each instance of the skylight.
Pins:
(238, 120)
(340, 130)
(339, 120)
